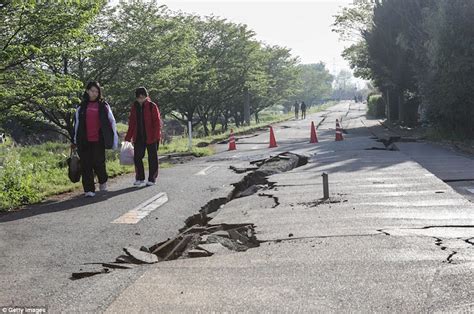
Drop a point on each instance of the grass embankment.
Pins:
(30, 174)
(435, 135)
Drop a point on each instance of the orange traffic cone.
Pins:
(232, 140)
(273, 142)
(314, 136)
(339, 136)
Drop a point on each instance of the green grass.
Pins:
(315, 109)
(30, 174)
(439, 135)
(122, 127)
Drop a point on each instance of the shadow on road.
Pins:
(56, 206)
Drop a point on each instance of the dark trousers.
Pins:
(303, 114)
(92, 161)
(139, 153)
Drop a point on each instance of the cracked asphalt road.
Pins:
(368, 251)
(393, 238)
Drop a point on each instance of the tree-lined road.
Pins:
(42, 245)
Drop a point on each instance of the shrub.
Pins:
(16, 183)
(376, 106)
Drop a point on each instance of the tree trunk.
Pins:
(392, 106)
(246, 115)
(225, 123)
(70, 125)
(214, 121)
(401, 108)
(205, 127)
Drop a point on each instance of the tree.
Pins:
(447, 86)
(314, 83)
(140, 44)
(276, 79)
(350, 24)
(40, 42)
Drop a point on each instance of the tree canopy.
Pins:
(419, 54)
(199, 69)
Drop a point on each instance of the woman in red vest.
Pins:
(144, 129)
(94, 132)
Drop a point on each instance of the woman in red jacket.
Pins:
(144, 130)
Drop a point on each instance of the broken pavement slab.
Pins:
(125, 259)
(118, 265)
(221, 233)
(140, 256)
(198, 253)
(214, 248)
(180, 247)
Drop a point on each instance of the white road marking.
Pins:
(205, 171)
(141, 211)
(470, 190)
(326, 152)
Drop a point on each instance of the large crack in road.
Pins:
(199, 238)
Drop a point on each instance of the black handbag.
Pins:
(74, 166)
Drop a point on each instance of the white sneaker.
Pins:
(150, 183)
(89, 194)
(103, 187)
(138, 183)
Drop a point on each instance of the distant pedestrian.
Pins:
(297, 109)
(144, 129)
(303, 110)
(94, 131)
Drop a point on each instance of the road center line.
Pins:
(141, 211)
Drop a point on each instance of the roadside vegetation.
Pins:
(418, 54)
(205, 70)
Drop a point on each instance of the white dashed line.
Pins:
(141, 211)
(206, 171)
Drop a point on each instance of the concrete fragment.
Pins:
(235, 235)
(162, 250)
(125, 259)
(117, 265)
(221, 233)
(179, 248)
(204, 238)
(141, 257)
(198, 253)
(214, 248)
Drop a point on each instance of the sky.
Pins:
(302, 26)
